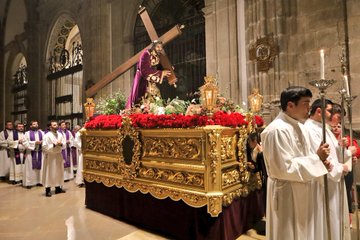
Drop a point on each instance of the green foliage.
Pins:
(112, 104)
(176, 106)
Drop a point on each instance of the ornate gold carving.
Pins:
(248, 181)
(111, 167)
(228, 198)
(129, 171)
(169, 170)
(165, 147)
(215, 206)
(230, 177)
(102, 144)
(228, 145)
(244, 173)
(244, 190)
(213, 137)
(186, 178)
(159, 192)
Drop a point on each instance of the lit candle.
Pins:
(322, 64)
(346, 83)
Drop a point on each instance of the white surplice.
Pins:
(4, 158)
(53, 164)
(31, 176)
(339, 212)
(292, 168)
(16, 169)
(77, 143)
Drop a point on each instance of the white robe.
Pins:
(53, 164)
(292, 168)
(69, 171)
(4, 159)
(77, 143)
(31, 176)
(339, 212)
(16, 169)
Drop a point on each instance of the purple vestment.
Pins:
(146, 71)
(66, 152)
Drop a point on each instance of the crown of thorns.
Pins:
(156, 42)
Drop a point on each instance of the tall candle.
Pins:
(322, 64)
(346, 83)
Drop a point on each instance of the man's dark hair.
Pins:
(32, 121)
(50, 122)
(337, 109)
(61, 122)
(19, 123)
(254, 136)
(318, 104)
(293, 94)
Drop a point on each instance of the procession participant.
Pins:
(349, 177)
(34, 156)
(292, 168)
(79, 180)
(339, 224)
(74, 150)
(17, 150)
(53, 165)
(66, 152)
(4, 150)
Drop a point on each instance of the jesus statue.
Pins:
(148, 75)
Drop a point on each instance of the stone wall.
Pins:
(302, 28)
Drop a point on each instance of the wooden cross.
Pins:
(164, 61)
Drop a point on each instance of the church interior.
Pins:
(57, 54)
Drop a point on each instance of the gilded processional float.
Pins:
(199, 159)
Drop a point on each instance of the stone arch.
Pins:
(61, 69)
(12, 64)
(58, 34)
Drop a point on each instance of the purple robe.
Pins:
(66, 152)
(36, 155)
(74, 152)
(146, 71)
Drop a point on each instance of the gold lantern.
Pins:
(208, 94)
(89, 108)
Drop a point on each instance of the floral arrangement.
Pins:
(112, 121)
(175, 113)
(140, 120)
(112, 104)
(259, 121)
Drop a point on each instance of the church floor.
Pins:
(28, 214)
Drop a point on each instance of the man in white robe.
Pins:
(292, 168)
(66, 152)
(79, 180)
(34, 156)
(53, 165)
(338, 210)
(74, 151)
(4, 150)
(17, 150)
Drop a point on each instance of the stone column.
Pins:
(2, 75)
(95, 36)
(123, 17)
(221, 45)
